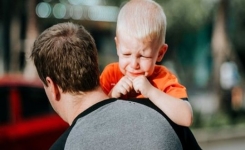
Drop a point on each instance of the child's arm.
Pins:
(179, 111)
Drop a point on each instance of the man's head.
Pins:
(140, 37)
(67, 54)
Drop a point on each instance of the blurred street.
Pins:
(204, 102)
(227, 138)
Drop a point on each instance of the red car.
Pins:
(27, 120)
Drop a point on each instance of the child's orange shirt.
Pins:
(162, 79)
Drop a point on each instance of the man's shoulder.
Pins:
(137, 120)
(114, 104)
(135, 104)
(61, 141)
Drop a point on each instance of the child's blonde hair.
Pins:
(144, 20)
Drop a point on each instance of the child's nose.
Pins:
(134, 63)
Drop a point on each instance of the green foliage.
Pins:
(218, 119)
(187, 14)
(236, 22)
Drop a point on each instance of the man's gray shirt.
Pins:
(122, 125)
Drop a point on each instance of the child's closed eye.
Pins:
(143, 56)
(126, 54)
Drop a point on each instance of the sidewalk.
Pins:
(221, 138)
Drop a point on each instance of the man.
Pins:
(66, 60)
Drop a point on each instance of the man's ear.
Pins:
(162, 51)
(53, 89)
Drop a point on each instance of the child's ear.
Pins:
(162, 51)
(115, 38)
(116, 41)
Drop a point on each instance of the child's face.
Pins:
(137, 57)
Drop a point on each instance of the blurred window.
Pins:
(34, 102)
(4, 105)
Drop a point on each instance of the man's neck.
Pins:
(82, 102)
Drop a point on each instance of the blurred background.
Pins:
(206, 52)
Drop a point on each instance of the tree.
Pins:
(223, 51)
(31, 34)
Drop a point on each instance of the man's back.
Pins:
(117, 124)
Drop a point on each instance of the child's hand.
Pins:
(142, 85)
(124, 86)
